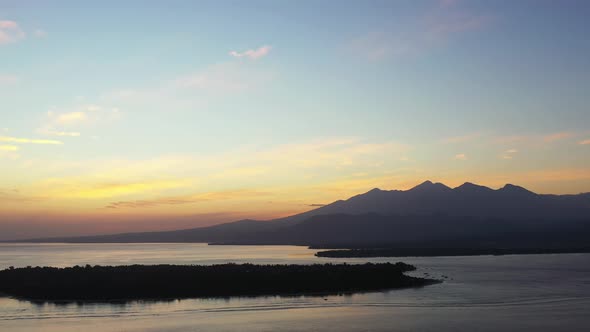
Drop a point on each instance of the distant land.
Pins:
(109, 283)
(425, 252)
(428, 216)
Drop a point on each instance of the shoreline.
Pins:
(171, 299)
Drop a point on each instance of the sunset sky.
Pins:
(136, 115)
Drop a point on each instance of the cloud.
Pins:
(189, 199)
(222, 79)
(252, 54)
(262, 169)
(509, 154)
(557, 136)
(333, 153)
(200, 89)
(461, 156)
(535, 140)
(584, 142)
(28, 141)
(425, 31)
(70, 118)
(9, 151)
(440, 27)
(65, 123)
(40, 33)
(14, 196)
(8, 79)
(10, 32)
(9, 148)
(316, 205)
(77, 188)
(63, 133)
(559, 176)
(147, 203)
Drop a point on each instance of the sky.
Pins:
(133, 116)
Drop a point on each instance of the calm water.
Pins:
(485, 293)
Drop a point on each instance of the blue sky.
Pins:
(306, 102)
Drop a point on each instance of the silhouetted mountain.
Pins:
(466, 200)
(430, 214)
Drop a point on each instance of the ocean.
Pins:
(479, 293)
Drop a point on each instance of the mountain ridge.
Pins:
(424, 211)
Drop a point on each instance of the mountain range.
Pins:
(428, 215)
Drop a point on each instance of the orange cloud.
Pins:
(557, 136)
(80, 189)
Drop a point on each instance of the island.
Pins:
(434, 252)
(143, 282)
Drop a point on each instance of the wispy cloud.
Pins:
(223, 78)
(557, 136)
(63, 133)
(535, 140)
(69, 118)
(8, 79)
(10, 32)
(537, 177)
(461, 156)
(509, 154)
(259, 169)
(65, 123)
(198, 89)
(425, 31)
(252, 54)
(28, 140)
(40, 33)
(9, 148)
(584, 142)
(188, 199)
(79, 188)
(9, 151)
(15, 196)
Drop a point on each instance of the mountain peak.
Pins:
(468, 186)
(429, 186)
(510, 188)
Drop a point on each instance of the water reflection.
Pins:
(488, 293)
